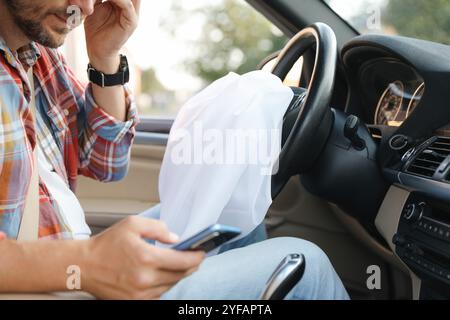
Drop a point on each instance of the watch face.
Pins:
(124, 68)
(123, 63)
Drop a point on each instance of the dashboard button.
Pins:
(399, 142)
(398, 240)
(413, 212)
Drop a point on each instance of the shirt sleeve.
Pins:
(104, 142)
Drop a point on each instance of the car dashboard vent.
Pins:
(429, 159)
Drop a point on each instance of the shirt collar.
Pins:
(28, 55)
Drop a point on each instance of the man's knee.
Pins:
(314, 255)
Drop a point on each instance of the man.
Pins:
(89, 131)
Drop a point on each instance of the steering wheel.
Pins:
(308, 121)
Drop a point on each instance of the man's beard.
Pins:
(32, 27)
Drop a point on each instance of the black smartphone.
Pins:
(208, 239)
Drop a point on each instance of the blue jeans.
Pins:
(241, 274)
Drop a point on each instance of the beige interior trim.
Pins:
(387, 222)
(298, 213)
(140, 184)
(355, 228)
(115, 206)
(103, 213)
(107, 203)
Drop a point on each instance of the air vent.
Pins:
(429, 160)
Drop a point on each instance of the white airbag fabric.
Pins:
(221, 152)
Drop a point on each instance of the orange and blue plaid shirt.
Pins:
(76, 135)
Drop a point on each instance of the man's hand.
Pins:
(2, 236)
(117, 264)
(108, 29)
(122, 265)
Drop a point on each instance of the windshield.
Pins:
(423, 19)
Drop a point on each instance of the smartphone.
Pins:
(208, 239)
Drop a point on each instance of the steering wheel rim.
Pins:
(313, 123)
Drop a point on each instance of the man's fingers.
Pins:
(151, 229)
(172, 260)
(127, 7)
(137, 6)
(97, 2)
(2, 236)
(191, 271)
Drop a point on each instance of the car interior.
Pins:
(383, 203)
(364, 168)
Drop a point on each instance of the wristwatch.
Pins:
(110, 80)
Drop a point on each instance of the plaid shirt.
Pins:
(76, 135)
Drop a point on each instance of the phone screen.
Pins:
(209, 239)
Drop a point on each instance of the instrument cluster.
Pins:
(397, 102)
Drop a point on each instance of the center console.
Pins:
(423, 243)
(422, 239)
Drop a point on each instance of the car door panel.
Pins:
(107, 203)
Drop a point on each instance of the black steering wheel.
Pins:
(308, 121)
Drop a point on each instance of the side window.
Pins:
(293, 77)
(181, 46)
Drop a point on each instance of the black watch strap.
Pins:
(109, 80)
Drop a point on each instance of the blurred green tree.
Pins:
(235, 37)
(150, 82)
(421, 19)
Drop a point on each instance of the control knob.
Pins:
(413, 212)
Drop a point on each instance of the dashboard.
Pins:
(399, 83)
(401, 87)
(391, 89)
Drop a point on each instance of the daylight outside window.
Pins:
(428, 20)
(180, 47)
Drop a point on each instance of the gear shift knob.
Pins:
(288, 273)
